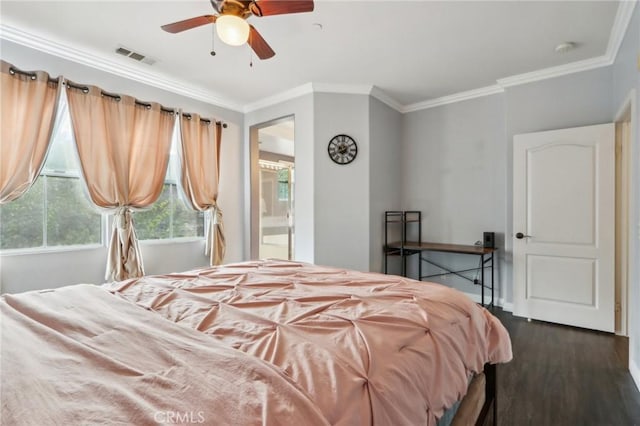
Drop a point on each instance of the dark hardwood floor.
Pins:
(565, 376)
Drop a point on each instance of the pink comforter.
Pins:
(80, 356)
(367, 348)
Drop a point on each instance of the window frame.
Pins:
(172, 177)
(106, 217)
(44, 174)
(154, 241)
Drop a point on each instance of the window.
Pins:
(283, 185)
(169, 217)
(54, 211)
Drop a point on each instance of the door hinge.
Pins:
(618, 307)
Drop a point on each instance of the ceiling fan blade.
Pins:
(259, 45)
(214, 4)
(187, 24)
(280, 7)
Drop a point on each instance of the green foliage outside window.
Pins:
(168, 217)
(71, 220)
(155, 222)
(283, 184)
(56, 212)
(21, 220)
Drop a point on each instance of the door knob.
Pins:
(520, 236)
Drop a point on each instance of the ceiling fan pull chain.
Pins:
(250, 58)
(213, 41)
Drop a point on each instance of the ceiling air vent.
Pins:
(136, 56)
(124, 51)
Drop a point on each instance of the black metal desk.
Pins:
(486, 254)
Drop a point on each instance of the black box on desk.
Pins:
(489, 240)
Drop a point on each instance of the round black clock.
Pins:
(342, 149)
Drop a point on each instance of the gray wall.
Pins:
(453, 170)
(385, 177)
(17, 271)
(342, 236)
(626, 76)
(457, 160)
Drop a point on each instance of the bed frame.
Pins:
(476, 406)
(490, 400)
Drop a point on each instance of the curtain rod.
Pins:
(206, 120)
(117, 97)
(33, 75)
(85, 89)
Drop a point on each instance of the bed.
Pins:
(262, 342)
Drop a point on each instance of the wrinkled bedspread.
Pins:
(367, 348)
(80, 356)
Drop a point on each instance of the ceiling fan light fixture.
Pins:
(233, 30)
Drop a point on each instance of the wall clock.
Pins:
(342, 149)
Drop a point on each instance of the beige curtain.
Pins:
(200, 165)
(29, 104)
(123, 147)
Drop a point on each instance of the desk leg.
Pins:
(493, 261)
(482, 279)
(404, 264)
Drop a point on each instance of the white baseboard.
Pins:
(507, 306)
(635, 373)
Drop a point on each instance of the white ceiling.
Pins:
(411, 50)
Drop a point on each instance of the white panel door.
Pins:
(563, 226)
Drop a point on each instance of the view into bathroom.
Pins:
(276, 183)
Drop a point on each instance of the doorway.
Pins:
(623, 144)
(272, 235)
(626, 128)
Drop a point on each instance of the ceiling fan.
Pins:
(231, 24)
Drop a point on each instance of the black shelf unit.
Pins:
(407, 219)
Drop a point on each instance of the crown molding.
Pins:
(619, 29)
(552, 72)
(287, 95)
(456, 97)
(383, 97)
(369, 90)
(308, 88)
(104, 63)
(349, 89)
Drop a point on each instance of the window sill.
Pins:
(49, 250)
(166, 241)
(78, 248)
